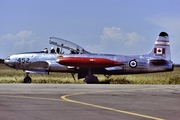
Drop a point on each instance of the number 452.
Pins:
(23, 60)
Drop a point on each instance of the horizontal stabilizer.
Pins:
(158, 61)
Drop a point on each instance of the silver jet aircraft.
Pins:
(85, 64)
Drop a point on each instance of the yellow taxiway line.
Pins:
(27, 97)
(64, 97)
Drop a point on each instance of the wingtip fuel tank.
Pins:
(88, 62)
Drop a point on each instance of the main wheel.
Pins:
(27, 79)
(91, 79)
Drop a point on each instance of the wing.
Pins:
(40, 65)
(67, 45)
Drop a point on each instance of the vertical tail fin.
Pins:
(161, 48)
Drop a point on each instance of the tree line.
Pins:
(1, 61)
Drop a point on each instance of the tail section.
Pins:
(161, 48)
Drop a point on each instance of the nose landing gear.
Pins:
(27, 79)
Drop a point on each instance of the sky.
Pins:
(126, 27)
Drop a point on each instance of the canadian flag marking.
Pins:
(159, 51)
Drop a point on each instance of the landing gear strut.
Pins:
(27, 79)
(90, 78)
(73, 76)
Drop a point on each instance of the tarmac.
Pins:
(89, 102)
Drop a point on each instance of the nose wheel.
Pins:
(27, 79)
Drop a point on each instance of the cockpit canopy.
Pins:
(72, 47)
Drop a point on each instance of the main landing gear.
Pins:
(90, 78)
(27, 79)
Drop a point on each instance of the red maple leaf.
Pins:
(159, 50)
(133, 63)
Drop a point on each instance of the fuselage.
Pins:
(112, 64)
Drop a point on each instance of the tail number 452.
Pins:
(23, 60)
